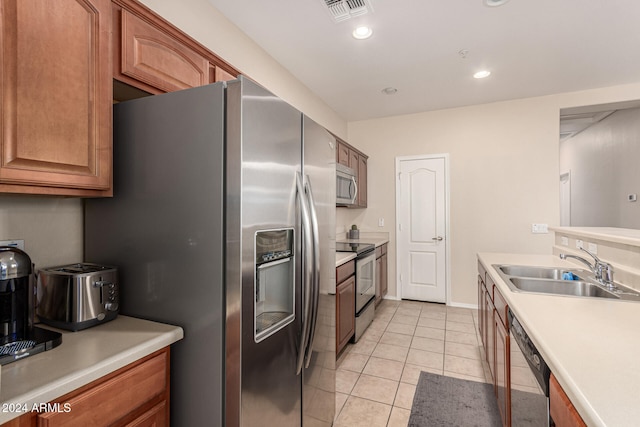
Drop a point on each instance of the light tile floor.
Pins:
(376, 378)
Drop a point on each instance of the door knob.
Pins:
(439, 238)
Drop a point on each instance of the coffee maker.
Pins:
(19, 337)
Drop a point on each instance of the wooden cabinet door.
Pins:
(481, 315)
(501, 370)
(378, 280)
(343, 154)
(345, 312)
(489, 343)
(56, 92)
(362, 181)
(384, 283)
(155, 61)
(562, 411)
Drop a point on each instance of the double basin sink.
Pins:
(560, 281)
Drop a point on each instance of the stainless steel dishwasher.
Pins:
(529, 380)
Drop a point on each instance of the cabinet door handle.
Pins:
(439, 238)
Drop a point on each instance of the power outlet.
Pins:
(579, 244)
(380, 222)
(16, 243)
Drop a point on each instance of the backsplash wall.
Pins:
(52, 227)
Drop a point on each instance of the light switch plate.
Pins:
(539, 228)
(380, 222)
(593, 248)
(564, 241)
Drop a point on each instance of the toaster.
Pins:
(77, 296)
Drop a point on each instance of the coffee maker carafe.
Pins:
(19, 338)
(16, 295)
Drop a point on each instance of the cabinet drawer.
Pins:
(154, 417)
(501, 307)
(482, 272)
(111, 400)
(345, 271)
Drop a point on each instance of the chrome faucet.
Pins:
(603, 271)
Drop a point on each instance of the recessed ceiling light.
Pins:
(495, 3)
(482, 74)
(362, 33)
(389, 90)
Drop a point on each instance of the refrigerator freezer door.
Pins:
(263, 156)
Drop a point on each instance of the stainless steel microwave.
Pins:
(346, 186)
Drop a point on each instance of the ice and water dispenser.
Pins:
(274, 283)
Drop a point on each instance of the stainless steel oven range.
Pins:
(365, 283)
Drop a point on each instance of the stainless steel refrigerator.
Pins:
(223, 222)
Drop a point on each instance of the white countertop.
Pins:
(611, 234)
(590, 344)
(343, 257)
(81, 358)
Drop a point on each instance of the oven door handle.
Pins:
(355, 190)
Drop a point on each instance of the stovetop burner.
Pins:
(358, 248)
(38, 341)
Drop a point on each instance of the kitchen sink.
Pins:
(539, 272)
(561, 287)
(554, 281)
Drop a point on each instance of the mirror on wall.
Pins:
(600, 166)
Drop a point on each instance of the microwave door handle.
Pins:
(315, 278)
(355, 190)
(307, 273)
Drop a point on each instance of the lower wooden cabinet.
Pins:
(345, 304)
(382, 282)
(494, 331)
(562, 411)
(136, 395)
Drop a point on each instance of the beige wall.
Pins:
(203, 22)
(504, 172)
(50, 226)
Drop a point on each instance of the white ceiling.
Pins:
(532, 48)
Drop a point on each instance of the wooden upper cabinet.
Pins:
(56, 92)
(343, 154)
(153, 55)
(362, 181)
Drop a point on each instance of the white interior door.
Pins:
(421, 207)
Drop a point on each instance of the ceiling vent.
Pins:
(341, 10)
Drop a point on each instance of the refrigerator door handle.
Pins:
(315, 277)
(308, 272)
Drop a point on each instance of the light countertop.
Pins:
(590, 344)
(611, 234)
(344, 257)
(81, 358)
